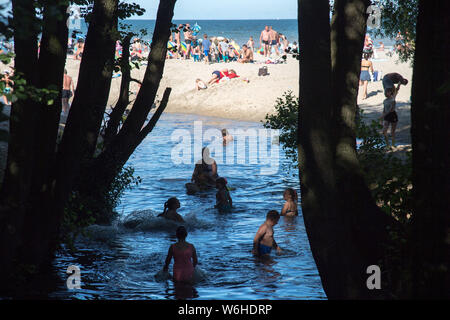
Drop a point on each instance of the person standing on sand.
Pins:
(251, 44)
(264, 39)
(274, 40)
(391, 79)
(206, 45)
(389, 116)
(223, 50)
(188, 40)
(366, 65)
(178, 40)
(67, 91)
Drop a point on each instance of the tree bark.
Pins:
(346, 228)
(111, 160)
(430, 117)
(16, 187)
(85, 117)
(116, 114)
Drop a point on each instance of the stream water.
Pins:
(120, 261)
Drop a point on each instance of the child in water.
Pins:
(223, 198)
(290, 208)
(170, 210)
(184, 256)
(264, 240)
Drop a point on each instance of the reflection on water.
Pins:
(121, 261)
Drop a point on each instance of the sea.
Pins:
(237, 30)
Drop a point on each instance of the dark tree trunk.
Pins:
(366, 237)
(315, 140)
(16, 187)
(111, 160)
(116, 114)
(430, 113)
(52, 58)
(346, 229)
(91, 96)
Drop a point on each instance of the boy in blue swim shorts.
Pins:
(264, 240)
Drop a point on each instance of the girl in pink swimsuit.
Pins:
(184, 256)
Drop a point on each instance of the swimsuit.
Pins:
(183, 268)
(263, 249)
(66, 94)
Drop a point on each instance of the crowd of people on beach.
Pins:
(205, 177)
(221, 49)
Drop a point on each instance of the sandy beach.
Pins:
(238, 100)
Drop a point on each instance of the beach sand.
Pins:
(239, 100)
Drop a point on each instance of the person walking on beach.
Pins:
(67, 91)
(206, 46)
(184, 256)
(389, 115)
(364, 79)
(274, 40)
(264, 239)
(264, 40)
(188, 40)
(170, 210)
(391, 79)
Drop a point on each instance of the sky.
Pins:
(228, 9)
(220, 9)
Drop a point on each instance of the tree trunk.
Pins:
(430, 117)
(315, 142)
(111, 160)
(346, 228)
(16, 187)
(52, 58)
(91, 96)
(116, 114)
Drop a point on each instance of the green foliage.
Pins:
(387, 175)
(399, 16)
(285, 119)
